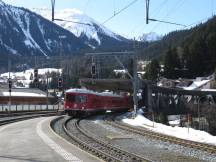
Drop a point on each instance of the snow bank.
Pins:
(180, 132)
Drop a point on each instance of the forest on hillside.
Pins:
(187, 53)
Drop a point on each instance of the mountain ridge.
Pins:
(25, 33)
(82, 26)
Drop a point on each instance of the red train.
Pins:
(86, 101)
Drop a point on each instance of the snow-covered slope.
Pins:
(26, 33)
(91, 29)
(149, 37)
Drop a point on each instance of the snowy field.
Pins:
(180, 132)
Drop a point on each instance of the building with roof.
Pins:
(25, 96)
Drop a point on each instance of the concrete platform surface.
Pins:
(34, 141)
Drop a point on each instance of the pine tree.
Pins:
(171, 64)
(152, 70)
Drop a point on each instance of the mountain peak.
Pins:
(2, 3)
(26, 33)
(150, 37)
(92, 32)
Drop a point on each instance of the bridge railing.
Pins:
(18, 108)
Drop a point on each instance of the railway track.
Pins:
(145, 132)
(97, 147)
(11, 118)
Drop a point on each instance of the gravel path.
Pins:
(156, 150)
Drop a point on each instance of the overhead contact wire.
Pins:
(117, 13)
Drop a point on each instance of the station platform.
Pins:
(34, 141)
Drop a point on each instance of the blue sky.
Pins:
(131, 22)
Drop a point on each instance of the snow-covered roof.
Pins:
(122, 71)
(212, 90)
(24, 92)
(196, 84)
(86, 91)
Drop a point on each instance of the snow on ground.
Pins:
(180, 132)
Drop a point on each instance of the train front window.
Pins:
(76, 98)
(70, 98)
(80, 99)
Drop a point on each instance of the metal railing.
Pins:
(27, 107)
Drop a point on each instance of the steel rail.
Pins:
(99, 147)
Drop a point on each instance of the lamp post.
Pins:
(9, 84)
(61, 46)
(61, 37)
(47, 93)
(198, 109)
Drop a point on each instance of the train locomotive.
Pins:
(82, 101)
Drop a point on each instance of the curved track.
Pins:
(11, 118)
(99, 148)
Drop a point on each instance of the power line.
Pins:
(167, 22)
(197, 22)
(53, 16)
(175, 7)
(114, 7)
(157, 10)
(117, 13)
(74, 22)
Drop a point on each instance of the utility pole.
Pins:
(147, 11)
(53, 9)
(61, 37)
(9, 84)
(135, 85)
(47, 93)
(60, 79)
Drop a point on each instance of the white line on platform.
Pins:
(58, 149)
(4, 127)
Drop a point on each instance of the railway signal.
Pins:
(60, 83)
(9, 84)
(93, 69)
(35, 75)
